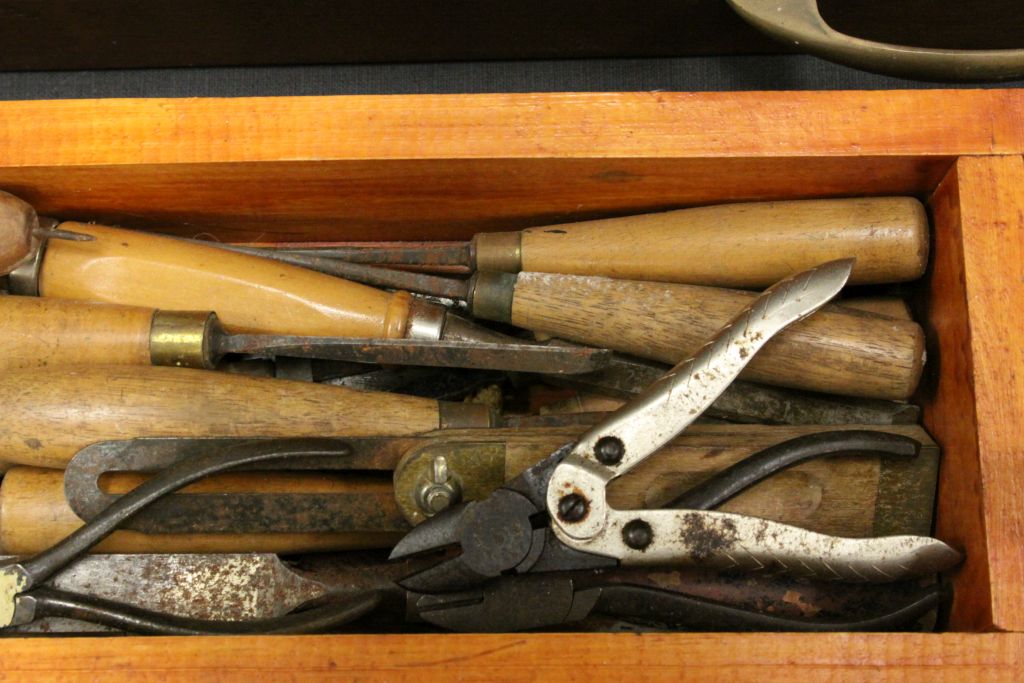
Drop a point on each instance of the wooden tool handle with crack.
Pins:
(837, 350)
(51, 413)
(749, 244)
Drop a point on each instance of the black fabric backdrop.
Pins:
(783, 72)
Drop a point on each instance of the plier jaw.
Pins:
(556, 515)
(509, 532)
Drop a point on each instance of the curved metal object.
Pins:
(799, 23)
(48, 602)
(716, 539)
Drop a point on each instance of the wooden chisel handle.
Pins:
(249, 293)
(837, 350)
(39, 332)
(752, 244)
(51, 413)
(34, 515)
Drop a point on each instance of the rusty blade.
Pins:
(440, 353)
(231, 587)
(451, 288)
(444, 255)
(365, 505)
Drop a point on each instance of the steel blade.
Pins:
(231, 587)
(431, 353)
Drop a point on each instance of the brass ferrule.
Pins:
(465, 415)
(500, 251)
(426, 320)
(183, 338)
(491, 294)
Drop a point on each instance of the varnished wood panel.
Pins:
(450, 198)
(659, 125)
(589, 658)
(976, 397)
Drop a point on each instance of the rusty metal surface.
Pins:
(372, 509)
(376, 276)
(450, 353)
(230, 587)
(423, 254)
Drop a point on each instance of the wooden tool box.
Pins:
(443, 167)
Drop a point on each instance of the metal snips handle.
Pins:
(799, 23)
(576, 493)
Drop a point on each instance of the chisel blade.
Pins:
(554, 360)
(231, 587)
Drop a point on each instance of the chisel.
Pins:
(52, 412)
(851, 495)
(43, 332)
(250, 294)
(744, 245)
(838, 350)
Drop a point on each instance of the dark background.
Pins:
(231, 48)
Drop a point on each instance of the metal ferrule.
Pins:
(465, 415)
(24, 279)
(183, 338)
(491, 294)
(500, 251)
(426, 320)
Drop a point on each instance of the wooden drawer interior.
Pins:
(974, 382)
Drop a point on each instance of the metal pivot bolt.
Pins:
(573, 507)
(440, 491)
(609, 450)
(637, 534)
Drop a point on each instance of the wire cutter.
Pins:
(555, 516)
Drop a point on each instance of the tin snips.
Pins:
(556, 517)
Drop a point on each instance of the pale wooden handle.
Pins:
(248, 293)
(51, 413)
(836, 350)
(41, 332)
(740, 245)
(34, 515)
(17, 221)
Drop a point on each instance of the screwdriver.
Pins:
(744, 245)
(837, 350)
(53, 412)
(42, 332)
(250, 294)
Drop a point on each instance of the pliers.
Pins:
(508, 603)
(555, 515)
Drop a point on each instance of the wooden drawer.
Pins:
(446, 166)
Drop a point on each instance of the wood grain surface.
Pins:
(40, 332)
(248, 293)
(837, 350)
(654, 657)
(35, 515)
(748, 245)
(445, 167)
(50, 413)
(975, 394)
